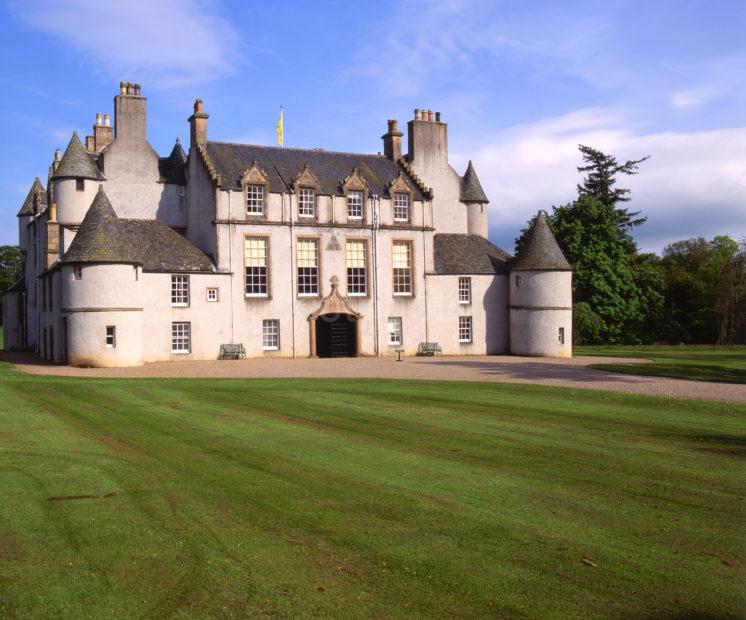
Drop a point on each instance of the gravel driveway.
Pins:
(545, 371)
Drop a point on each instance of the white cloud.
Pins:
(167, 42)
(692, 98)
(694, 184)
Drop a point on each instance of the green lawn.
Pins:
(366, 498)
(697, 362)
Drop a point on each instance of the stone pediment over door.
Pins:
(334, 303)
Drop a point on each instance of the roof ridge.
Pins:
(297, 148)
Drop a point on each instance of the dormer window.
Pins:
(401, 207)
(306, 202)
(354, 205)
(255, 200)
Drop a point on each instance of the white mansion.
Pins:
(131, 258)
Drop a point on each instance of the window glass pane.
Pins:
(356, 258)
(180, 337)
(402, 267)
(255, 200)
(395, 331)
(179, 290)
(355, 205)
(401, 206)
(308, 270)
(464, 290)
(464, 329)
(271, 334)
(306, 202)
(255, 252)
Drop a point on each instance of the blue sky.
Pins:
(520, 84)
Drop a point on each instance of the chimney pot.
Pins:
(416, 114)
(392, 124)
(122, 88)
(430, 116)
(137, 89)
(130, 88)
(437, 117)
(198, 105)
(98, 118)
(107, 120)
(57, 155)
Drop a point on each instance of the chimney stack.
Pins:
(428, 143)
(130, 114)
(198, 125)
(392, 141)
(103, 134)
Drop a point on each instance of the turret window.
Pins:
(78, 272)
(354, 205)
(179, 290)
(111, 336)
(518, 280)
(255, 199)
(562, 335)
(306, 202)
(401, 207)
(464, 329)
(80, 185)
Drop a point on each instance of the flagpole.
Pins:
(281, 130)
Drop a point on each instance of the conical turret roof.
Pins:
(540, 252)
(36, 193)
(172, 168)
(101, 237)
(76, 163)
(471, 188)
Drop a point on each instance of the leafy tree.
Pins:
(731, 303)
(694, 271)
(10, 266)
(600, 182)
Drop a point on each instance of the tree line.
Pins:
(695, 292)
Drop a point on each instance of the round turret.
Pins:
(76, 178)
(476, 201)
(101, 293)
(541, 296)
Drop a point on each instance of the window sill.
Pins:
(357, 294)
(464, 303)
(179, 305)
(256, 296)
(270, 348)
(180, 352)
(464, 341)
(403, 294)
(308, 295)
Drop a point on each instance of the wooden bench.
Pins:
(231, 352)
(429, 348)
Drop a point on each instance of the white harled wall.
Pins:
(541, 304)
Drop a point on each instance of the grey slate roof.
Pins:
(105, 238)
(471, 188)
(540, 251)
(76, 163)
(468, 254)
(173, 168)
(330, 167)
(36, 193)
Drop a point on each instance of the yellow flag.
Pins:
(279, 129)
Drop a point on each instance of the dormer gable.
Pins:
(306, 178)
(255, 185)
